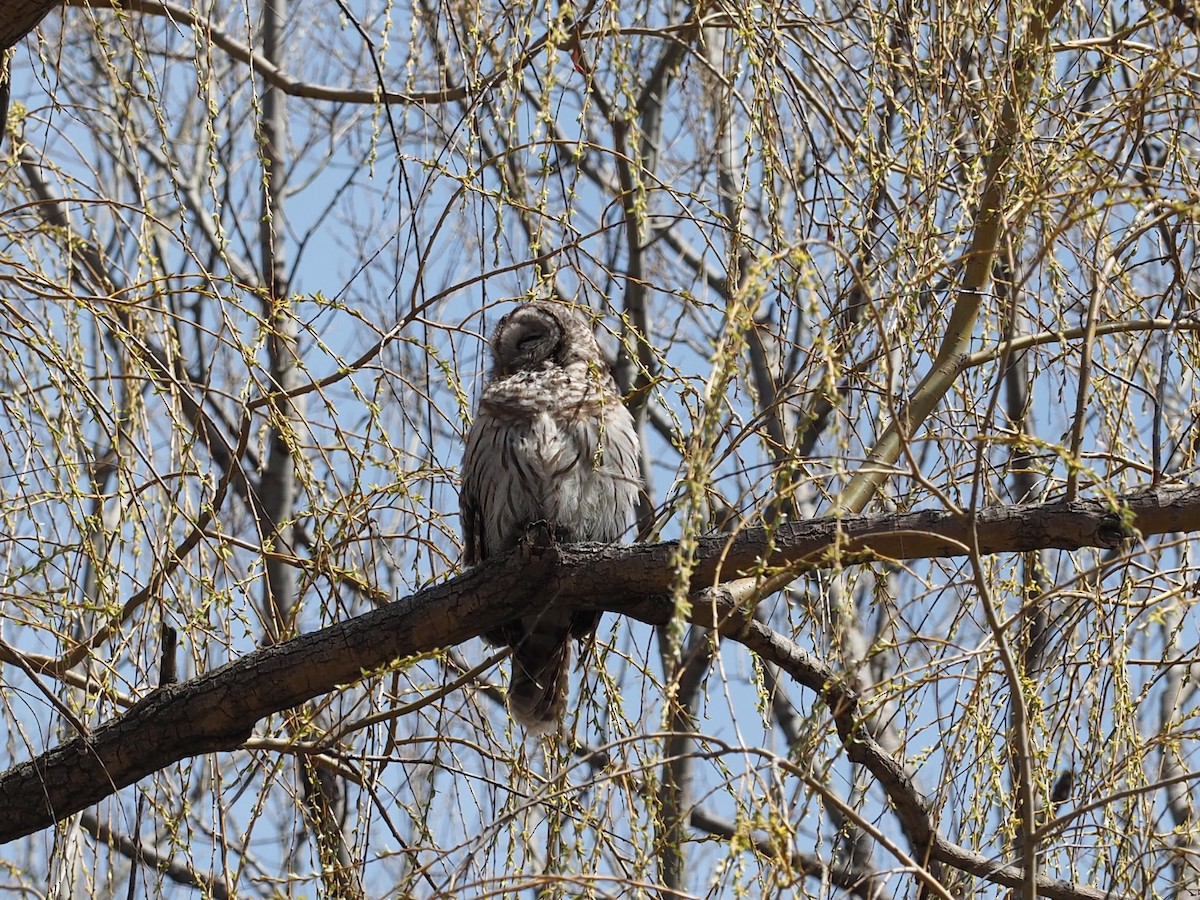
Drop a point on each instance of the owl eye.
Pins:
(529, 343)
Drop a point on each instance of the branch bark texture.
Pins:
(217, 711)
(19, 17)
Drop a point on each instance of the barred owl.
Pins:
(551, 442)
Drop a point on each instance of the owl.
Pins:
(551, 442)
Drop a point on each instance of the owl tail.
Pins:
(537, 693)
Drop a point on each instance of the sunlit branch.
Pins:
(989, 229)
(218, 710)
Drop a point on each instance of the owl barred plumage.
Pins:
(551, 442)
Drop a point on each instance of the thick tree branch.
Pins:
(19, 17)
(218, 710)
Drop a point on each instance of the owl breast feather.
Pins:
(564, 468)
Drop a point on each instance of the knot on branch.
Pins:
(1112, 531)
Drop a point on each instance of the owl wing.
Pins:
(612, 487)
(622, 462)
(471, 495)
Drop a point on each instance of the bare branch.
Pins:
(218, 710)
(858, 884)
(136, 851)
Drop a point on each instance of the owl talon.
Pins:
(539, 536)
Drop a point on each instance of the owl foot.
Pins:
(540, 536)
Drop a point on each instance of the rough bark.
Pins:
(217, 710)
(19, 17)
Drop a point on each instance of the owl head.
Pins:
(541, 335)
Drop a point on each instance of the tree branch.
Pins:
(19, 17)
(295, 87)
(989, 228)
(217, 710)
(140, 854)
(855, 883)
